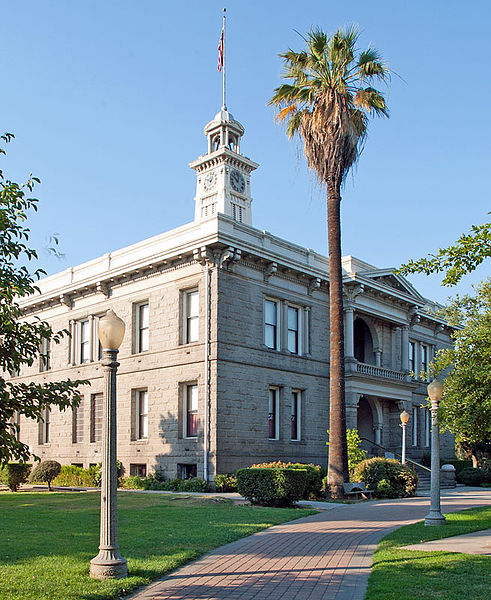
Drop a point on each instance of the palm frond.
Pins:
(372, 101)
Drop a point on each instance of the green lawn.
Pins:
(48, 539)
(413, 575)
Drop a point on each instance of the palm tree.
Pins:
(328, 101)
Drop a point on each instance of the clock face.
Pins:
(237, 181)
(210, 180)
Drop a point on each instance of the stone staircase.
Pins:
(424, 484)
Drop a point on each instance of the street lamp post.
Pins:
(404, 416)
(435, 517)
(109, 564)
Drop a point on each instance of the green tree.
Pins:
(466, 403)
(328, 100)
(468, 252)
(20, 339)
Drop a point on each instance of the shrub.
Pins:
(356, 454)
(46, 471)
(313, 485)
(133, 483)
(226, 483)
(193, 484)
(13, 474)
(474, 477)
(72, 476)
(271, 486)
(395, 480)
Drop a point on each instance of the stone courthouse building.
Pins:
(225, 361)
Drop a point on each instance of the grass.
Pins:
(48, 539)
(399, 574)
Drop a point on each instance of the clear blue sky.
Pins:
(108, 100)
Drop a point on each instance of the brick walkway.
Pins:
(323, 557)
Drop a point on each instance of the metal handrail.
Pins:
(396, 454)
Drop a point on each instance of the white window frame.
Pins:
(274, 409)
(297, 399)
(277, 325)
(45, 356)
(141, 327)
(424, 352)
(412, 361)
(414, 426)
(300, 311)
(141, 415)
(427, 422)
(186, 398)
(188, 317)
(45, 425)
(84, 343)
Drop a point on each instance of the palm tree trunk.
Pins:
(337, 473)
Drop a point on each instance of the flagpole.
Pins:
(224, 106)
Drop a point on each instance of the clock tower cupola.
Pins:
(223, 173)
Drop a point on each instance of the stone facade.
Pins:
(259, 383)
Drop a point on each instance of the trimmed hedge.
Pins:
(45, 472)
(193, 484)
(387, 477)
(72, 476)
(313, 485)
(474, 477)
(13, 474)
(271, 487)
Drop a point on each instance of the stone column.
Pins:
(349, 348)
(405, 348)
(378, 357)
(109, 564)
(352, 400)
(377, 429)
(306, 330)
(417, 359)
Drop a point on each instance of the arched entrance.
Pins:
(363, 342)
(365, 421)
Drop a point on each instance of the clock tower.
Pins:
(223, 173)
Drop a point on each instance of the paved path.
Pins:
(323, 557)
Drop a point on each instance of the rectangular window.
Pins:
(187, 471)
(45, 426)
(293, 330)
(415, 426)
(191, 316)
(138, 470)
(142, 327)
(191, 411)
(78, 424)
(424, 360)
(271, 329)
(273, 413)
(141, 414)
(427, 426)
(45, 356)
(95, 418)
(296, 413)
(84, 341)
(411, 357)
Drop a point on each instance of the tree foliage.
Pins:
(468, 252)
(466, 403)
(21, 340)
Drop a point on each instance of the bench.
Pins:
(357, 490)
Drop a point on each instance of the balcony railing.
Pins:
(380, 372)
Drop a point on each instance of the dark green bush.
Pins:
(313, 485)
(45, 472)
(474, 477)
(271, 487)
(13, 474)
(387, 477)
(72, 476)
(193, 484)
(226, 483)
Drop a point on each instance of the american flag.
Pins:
(220, 51)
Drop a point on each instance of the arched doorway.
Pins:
(363, 343)
(365, 422)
